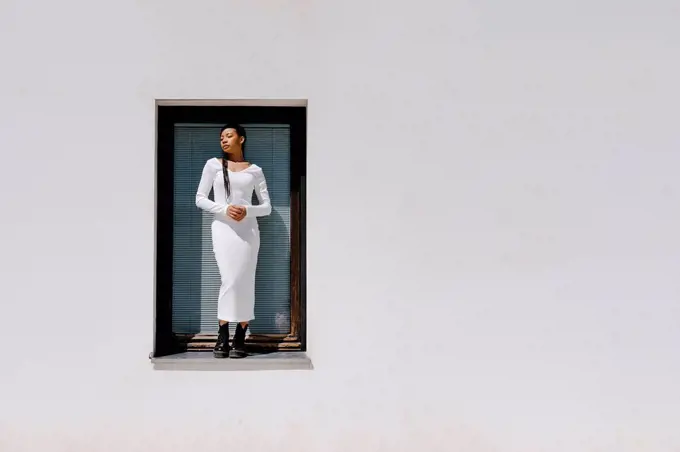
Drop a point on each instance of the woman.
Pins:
(235, 233)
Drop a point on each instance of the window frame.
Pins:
(165, 341)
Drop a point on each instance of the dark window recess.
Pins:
(187, 280)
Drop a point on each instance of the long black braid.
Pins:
(241, 132)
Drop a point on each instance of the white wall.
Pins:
(492, 232)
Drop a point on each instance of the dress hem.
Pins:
(234, 321)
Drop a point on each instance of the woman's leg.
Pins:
(228, 249)
(222, 348)
(239, 348)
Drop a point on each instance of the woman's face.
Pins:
(230, 141)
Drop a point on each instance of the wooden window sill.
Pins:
(203, 360)
(254, 342)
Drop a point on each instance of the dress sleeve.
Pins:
(264, 208)
(203, 202)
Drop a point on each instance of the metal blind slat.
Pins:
(196, 277)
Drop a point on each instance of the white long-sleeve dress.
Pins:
(235, 243)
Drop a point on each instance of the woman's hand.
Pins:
(237, 213)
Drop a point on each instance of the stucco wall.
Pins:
(492, 224)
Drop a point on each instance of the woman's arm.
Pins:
(203, 202)
(265, 206)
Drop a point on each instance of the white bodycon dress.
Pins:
(235, 243)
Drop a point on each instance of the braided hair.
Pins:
(241, 132)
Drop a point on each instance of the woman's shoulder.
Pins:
(214, 163)
(256, 170)
(252, 167)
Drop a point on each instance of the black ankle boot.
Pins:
(239, 350)
(221, 349)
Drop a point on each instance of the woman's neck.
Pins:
(234, 158)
